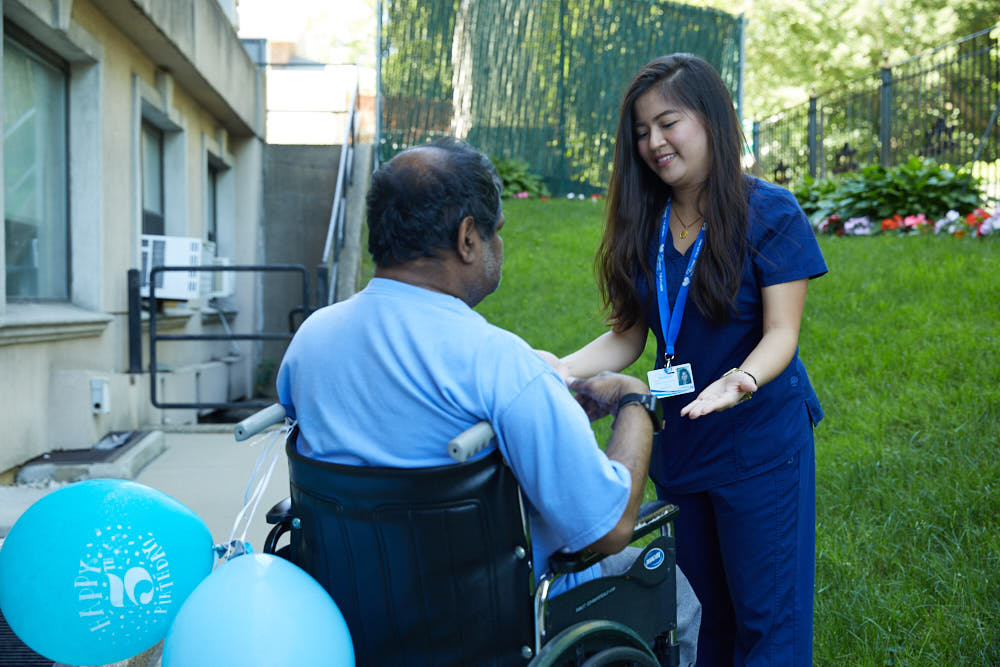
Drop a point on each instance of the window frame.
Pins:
(152, 222)
(40, 53)
(214, 169)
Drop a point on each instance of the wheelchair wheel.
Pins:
(621, 655)
(594, 643)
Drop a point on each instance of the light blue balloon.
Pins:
(95, 572)
(259, 610)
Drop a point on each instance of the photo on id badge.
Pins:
(673, 381)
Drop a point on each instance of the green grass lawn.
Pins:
(901, 341)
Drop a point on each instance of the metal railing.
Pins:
(327, 272)
(942, 105)
(135, 330)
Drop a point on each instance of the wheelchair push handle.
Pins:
(470, 441)
(258, 421)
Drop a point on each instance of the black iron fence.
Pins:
(942, 105)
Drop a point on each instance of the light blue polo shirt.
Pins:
(389, 376)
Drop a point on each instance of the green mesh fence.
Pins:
(537, 80)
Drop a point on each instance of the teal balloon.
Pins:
(95, 572)
(259, 610)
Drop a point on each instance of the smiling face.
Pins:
(671, 140)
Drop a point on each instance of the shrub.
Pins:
(517, 178)
(916, 187)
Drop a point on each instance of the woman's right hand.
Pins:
(612, 351)
(556, 363)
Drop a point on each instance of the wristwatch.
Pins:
(647, 401)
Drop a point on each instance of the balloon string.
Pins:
(270, 437)
(252, 499)
(260, 494)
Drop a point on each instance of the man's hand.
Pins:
(599, 395)
(630, 443)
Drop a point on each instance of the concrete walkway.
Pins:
(208, 471)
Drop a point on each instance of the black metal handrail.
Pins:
(135, 354)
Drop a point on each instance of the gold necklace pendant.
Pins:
(685, 227)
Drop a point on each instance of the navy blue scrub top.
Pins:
(756, 435)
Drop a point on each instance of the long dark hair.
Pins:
(637, 196)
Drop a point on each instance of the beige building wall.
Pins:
(179, 65)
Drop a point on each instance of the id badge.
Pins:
(673, 381)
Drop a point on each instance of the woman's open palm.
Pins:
(722, 394)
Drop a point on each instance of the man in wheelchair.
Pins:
(382, 381)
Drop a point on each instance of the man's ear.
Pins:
(469, 242)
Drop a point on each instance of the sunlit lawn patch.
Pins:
(902, 343)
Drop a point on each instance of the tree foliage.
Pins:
(793, 45)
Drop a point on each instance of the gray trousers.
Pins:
(688, 607)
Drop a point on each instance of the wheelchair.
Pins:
(432, 566)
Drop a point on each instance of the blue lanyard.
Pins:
(670, 322)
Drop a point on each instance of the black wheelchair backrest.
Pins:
(430, 566)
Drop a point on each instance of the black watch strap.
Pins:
(647, 401)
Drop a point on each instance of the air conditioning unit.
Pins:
(215, 284)
(171, 251)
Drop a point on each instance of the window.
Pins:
(212, 202)
(36, 247)
(152, 179)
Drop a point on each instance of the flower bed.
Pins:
(917, 197)
(977, 224)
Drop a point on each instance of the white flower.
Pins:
(571, 196)
(861, 226)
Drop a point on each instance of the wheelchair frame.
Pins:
(552, 645)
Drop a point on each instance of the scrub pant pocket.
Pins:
(749, 550)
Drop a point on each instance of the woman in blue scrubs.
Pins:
(716, 264)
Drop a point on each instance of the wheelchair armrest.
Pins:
(281, 511)
(652, 516)
(258, 421)
(281, 516)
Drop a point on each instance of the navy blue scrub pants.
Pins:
(749, 551)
